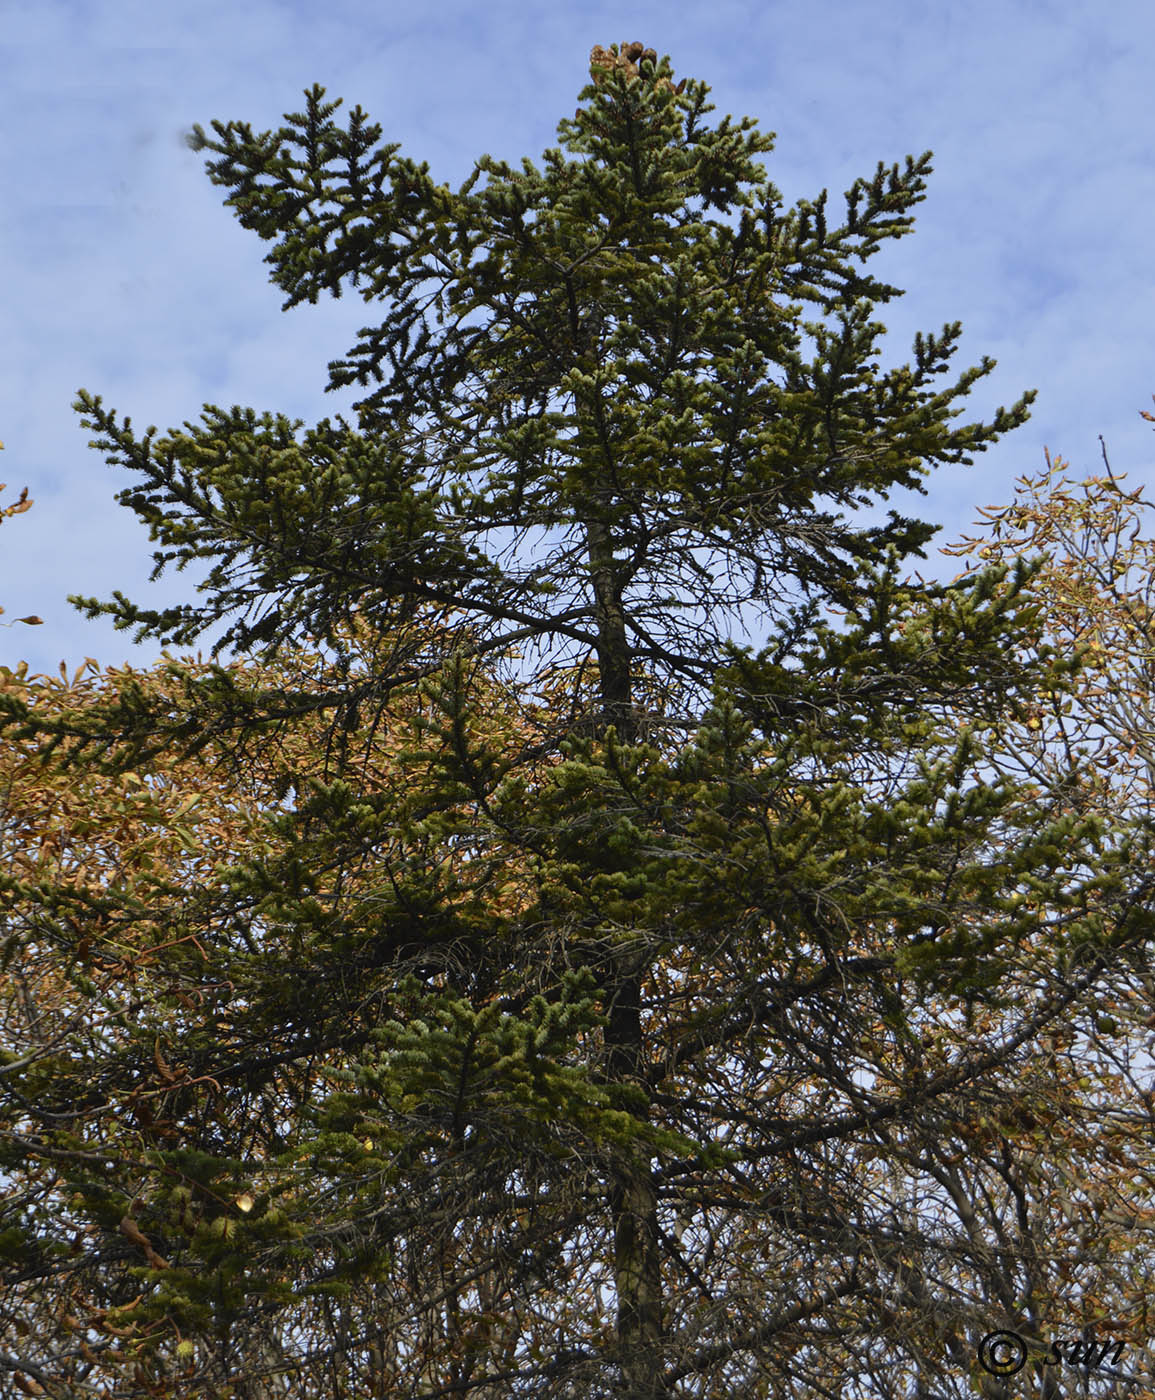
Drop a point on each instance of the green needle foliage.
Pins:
(594, 965)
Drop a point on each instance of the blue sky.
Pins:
(125, 274)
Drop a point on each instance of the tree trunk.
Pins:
(613, 644)
(634, 1208)
(633, 1203)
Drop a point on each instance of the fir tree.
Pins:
(575, 1005)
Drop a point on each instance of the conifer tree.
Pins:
(580, 1007)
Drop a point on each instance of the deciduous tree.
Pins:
(120, 1155)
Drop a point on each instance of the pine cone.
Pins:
(627, 59)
